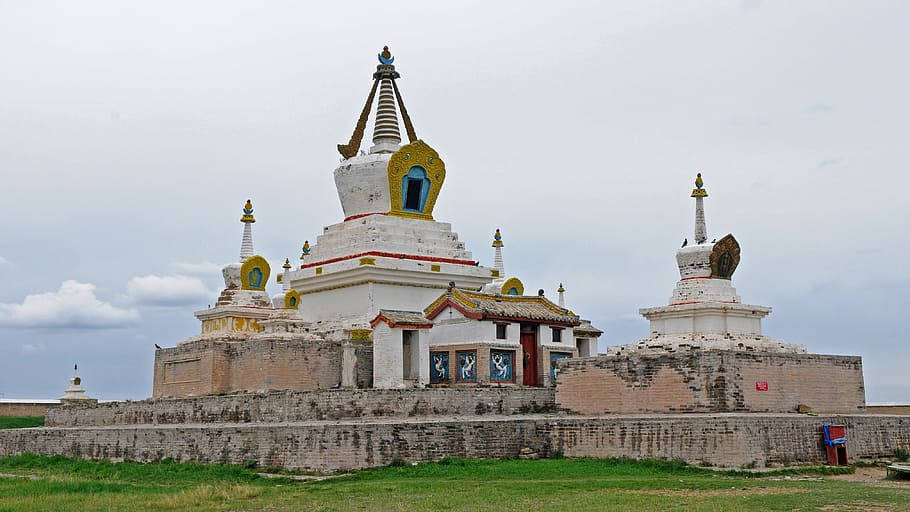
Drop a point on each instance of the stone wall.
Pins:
(290, 406)
(729, 440)
(214, 367)
(24, 408)
(888, 409)
(711, 381)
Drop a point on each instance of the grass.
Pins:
(61, 483)
(21, 421)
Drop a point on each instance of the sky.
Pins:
(131, 134)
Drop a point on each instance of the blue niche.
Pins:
(512, 291)
(439, 367)
(501, 366)
(554, 357)
(255, 278)
(414, 189)
(467, 366)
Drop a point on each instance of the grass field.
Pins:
(32, 483)
(21, 421)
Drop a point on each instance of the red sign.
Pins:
(761, 386)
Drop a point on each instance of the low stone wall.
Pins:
(727, 440)
(25, 408)
(212, 367)
(711, 381)
(296, 406)
(888, 409)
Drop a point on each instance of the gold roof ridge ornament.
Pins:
(384, 71)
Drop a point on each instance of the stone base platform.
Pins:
(724, 440)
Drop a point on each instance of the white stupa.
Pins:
(704, 311)
(75, 393)
(388, 252)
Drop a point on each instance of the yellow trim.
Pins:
(278, 278)
(367, 261)
(362, 334)
(417, 153)
(699, 192)
(287, 299)
(494, 273)
(513, 282)
(248, 265)
(435, 268)
(318, 271)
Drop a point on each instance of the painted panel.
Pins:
(502, 366)
(554, 357)
(439, 367)
(467, 366)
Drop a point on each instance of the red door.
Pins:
(529, 359)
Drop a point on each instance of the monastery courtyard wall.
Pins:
(350, 429)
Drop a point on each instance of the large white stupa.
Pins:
(388, 252)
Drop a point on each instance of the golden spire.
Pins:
(248, 212)
(699, 190)
(287, 264)
(497, 239)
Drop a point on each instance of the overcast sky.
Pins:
(131, 134)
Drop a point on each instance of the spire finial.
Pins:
(248, 212)
(497, 239)
(700, 193)
(305, 250)
(246, 244)
(562, 295)
(386, 56)
(287, 264)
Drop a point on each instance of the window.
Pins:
(500, 331)
(414, 189)
(557, 334)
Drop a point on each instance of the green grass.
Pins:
(21, 421)
(60, 483)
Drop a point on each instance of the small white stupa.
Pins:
(704, 311)
(75, 393)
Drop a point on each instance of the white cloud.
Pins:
(168, 290)
(196, 269)
(74, 305)
(30, 348)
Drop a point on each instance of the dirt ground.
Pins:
(873, 476)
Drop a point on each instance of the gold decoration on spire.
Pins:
(699, 190)
(353, 146)
(248, 212)
(287, 264)
(497, 239)
(561, 288)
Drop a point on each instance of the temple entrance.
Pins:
(529, 359)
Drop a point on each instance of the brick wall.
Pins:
(212, 367)
(309, 406)
(711, 381)
(733, 439)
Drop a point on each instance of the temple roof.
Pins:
(402, 319)
(489, 306)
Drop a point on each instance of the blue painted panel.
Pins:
(467, 366)
(255, 278)
(439, 367)
(501, 365)
(415, 173)
(556, 356)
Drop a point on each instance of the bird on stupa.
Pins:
(699, 183)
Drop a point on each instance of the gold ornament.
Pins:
(512, 282)
(254, 273)
(292, 299)
(724, 258)
(415, 154)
